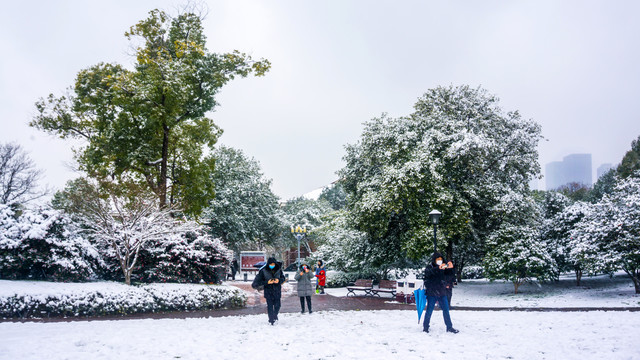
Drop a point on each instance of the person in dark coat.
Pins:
(270, 277)
(234, 269)
(435, 286)
(450, 280)
(305, 288)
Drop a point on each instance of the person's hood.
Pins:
(435, 256)
(270, 261)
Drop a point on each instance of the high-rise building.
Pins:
(572, 168)
(602, 169)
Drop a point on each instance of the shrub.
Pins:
(128, 300)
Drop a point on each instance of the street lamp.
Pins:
(434, 216)
(299, 233)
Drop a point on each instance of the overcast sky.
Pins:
(572, 66)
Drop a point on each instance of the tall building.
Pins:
(602, 169)
(572, 168)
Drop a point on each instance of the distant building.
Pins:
(572, 168)
(602, 169)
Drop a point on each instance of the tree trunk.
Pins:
(516, 285)
(449, 250)
(162, 179)
(127, 277)
(578, 275)
(459, 267)
(636, 281)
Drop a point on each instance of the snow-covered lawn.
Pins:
(598, 291)
(334, 335)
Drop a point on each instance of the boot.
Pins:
(452, 330)
(426, 329)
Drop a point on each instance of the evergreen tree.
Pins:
(244, 212)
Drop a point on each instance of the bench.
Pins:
(361, 285)
(386, 286)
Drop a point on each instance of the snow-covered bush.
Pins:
(473, 272)
(189, 257)
(44, 245)
(129, 300)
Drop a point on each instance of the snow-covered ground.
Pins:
(334, 335)
(598, 291)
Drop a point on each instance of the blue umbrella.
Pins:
(421, 300)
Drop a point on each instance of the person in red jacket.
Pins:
(322, 279)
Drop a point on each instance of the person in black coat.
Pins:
(234, 268)
(450, 280)
(435, 286)
(270, 277)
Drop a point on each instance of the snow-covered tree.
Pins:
(346, 249)
(244, 212)
(334, 195)
(608, 238)
(556, 232)
(307, 213)
(515, 251)
(123, 222)
(459, 153)
(44, 245)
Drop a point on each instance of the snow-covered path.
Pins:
(334, 335)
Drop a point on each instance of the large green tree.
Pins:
(149, 123)
(459, 152)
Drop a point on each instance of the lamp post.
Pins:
(299, 233)
(434, 216)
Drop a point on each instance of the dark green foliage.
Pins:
(605, 185)
(630, 163)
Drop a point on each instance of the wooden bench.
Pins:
(386, 286)
(361, 285)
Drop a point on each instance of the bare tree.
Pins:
(18, 176)
(125, 221)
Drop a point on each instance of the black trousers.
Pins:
(308, 302)
(273, 307)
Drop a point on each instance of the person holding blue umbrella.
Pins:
(435, 288)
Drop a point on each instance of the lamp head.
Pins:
(434, 216)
